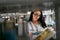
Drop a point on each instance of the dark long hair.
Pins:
(41, 19)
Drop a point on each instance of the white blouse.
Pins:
(33, 29)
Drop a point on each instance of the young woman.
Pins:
(36, 24)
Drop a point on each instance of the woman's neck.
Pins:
(35, 22)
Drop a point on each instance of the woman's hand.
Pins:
(30, 34)
(51, 28)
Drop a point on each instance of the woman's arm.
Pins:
(30, 34)
(30, 31)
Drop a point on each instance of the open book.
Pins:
(46, 34)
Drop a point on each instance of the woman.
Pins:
(36, 23)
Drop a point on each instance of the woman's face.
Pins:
(36, 15)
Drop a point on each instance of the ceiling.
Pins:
(24, 5)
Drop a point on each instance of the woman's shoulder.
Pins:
(29, 23)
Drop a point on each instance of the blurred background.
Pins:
(14, 15)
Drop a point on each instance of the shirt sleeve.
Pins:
(29, 28)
